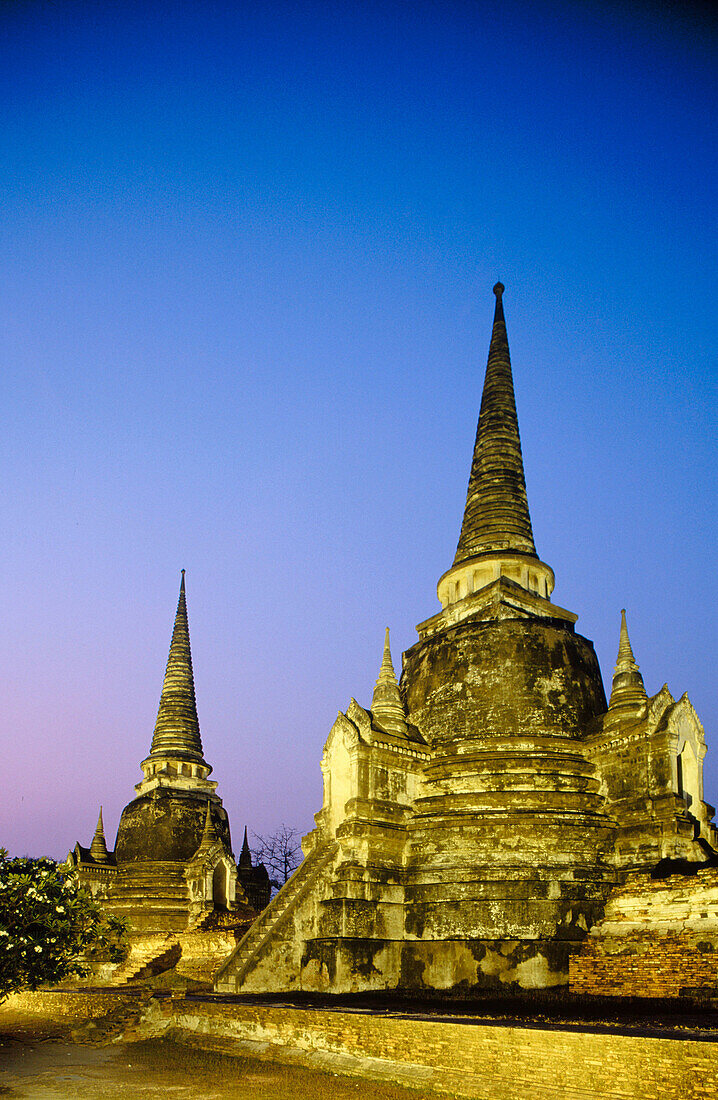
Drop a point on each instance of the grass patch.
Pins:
(246, 1078)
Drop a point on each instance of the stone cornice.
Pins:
(502, 599)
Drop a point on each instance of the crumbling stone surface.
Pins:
(512, 676)
(473, 839)
(658, 938)
(166, 825)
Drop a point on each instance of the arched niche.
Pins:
(220, 886)
(688, 774)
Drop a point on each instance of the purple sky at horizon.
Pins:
(248, 253)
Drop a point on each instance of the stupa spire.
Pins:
(98, 848)
(245, 856)
(386, 706)
(496, 516)
(177, 726)
(496, 572)
(627, 689)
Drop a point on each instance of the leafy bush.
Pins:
(50, 926)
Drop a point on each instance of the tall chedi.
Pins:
(477, 816)
(509, 840)
(167, 818)
(462, 838)
(161, 831)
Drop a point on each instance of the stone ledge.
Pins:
(459, 1057)
(462, 1059)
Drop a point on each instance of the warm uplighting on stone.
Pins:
(477, 817)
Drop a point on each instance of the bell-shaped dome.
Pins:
(167, 825)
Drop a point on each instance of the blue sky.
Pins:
(248, 253)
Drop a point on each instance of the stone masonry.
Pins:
(172, 863)
(479, 814)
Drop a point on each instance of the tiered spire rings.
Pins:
(496, 539)
(496, 516)
(386, 706)
(176, 758)
(627, 689)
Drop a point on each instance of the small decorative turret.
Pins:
(387, 708)
(209, 833)
(98, 848)
(627, 689)
(176, 758)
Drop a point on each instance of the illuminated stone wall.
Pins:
(460, 1058)
(659, 938)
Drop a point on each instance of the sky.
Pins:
(247, 255)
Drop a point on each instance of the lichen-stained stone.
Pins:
(167, 824)
(487, 678)
(509, 837)
(649, 759)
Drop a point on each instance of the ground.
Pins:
(38, 1063)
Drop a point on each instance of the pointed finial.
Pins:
(625, 653)
(627, 689)
(386, 706)
(386, 662)
(245, 856)
(499, 289)
(98, 848)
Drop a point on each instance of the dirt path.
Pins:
(55, 1070)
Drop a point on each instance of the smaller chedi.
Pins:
(172, 863)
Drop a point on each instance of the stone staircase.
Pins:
(200, 970)
(147, 958)
(269, 924)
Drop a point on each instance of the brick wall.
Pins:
(67, 1006)
(457, 1057)
(465, 1059)
(647, 966)
(658, 937)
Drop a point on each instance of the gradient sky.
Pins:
(247, 254)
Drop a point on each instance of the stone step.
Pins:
(147, 961)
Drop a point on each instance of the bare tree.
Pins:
(280, 852)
